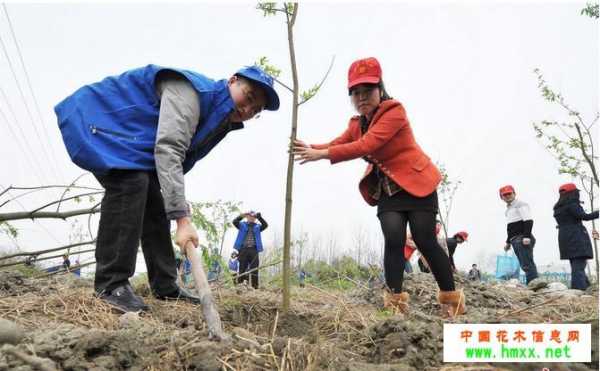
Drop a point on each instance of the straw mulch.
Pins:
(324, 329)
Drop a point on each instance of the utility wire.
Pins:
(27, 150)
(35, 101)
(42, 143)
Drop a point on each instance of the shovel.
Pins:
(209, 309)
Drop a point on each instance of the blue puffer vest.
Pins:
(239, 241)
(112, 124)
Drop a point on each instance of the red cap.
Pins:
(568, 187)
(506, 189)
(463, 234)
(364, 71)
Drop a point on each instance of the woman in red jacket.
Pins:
(400, 180)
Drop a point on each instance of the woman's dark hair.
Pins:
(381, 86)
(567, 198)
(364, 123)
(384, 93)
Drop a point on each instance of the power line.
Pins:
(12, 70)
(35, 101)
(24, 137)
(28, 158)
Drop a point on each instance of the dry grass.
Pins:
(324, 329)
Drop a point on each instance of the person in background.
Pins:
(518, 229)
(301, 277)
(409, 249)
(214, 269)
(66, 264)
(452, 243)
(573, 239)
(474, 273)
(401, 180)
(442, 241)
(186, 271)
(249, 244)
(234, 266)
(77, 270)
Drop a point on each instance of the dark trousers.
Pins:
(248, 259)
(422, 226)
(132, 210)
(579, 279)
(524, 254)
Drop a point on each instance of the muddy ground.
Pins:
(66, 328)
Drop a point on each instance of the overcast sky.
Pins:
(463, 71)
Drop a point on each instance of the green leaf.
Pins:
(306, 95)
(8, 229)
(263, 62)
(289, 7)
(268, 8)
(591, 10)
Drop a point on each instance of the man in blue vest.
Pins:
(249, 245)
(138, 133)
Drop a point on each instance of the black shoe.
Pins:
(123, 299)
(180, 294)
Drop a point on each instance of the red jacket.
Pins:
(390, 144)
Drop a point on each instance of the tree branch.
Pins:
(45, 258)
(586, 155)
(41, 252)
(66, 199)
(322, 81)
(46, 214)
(282, 84)
(35, 189)
(67, 189)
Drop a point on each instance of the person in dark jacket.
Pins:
(452, 243)
(573, 238)
(474, 273)
(138, 133)
(249, 244)
(66, 262)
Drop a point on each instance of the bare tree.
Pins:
(290, 11)
(71, 192)
(299, 244)
(332, 248)
(571, 143)
(447, 189)
(360, 242)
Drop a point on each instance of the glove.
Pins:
(526, 241)
(258, 214)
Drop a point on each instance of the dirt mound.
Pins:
(323, 330)
(14, 283)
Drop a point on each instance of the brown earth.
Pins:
(69, 329)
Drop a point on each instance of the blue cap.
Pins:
(259, 76)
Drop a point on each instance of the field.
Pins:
(66, 328)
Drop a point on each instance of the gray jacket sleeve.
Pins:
(177, 122)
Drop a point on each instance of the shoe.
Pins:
(180, 294)
(124, 299)
(452, 302)
(397, 303)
